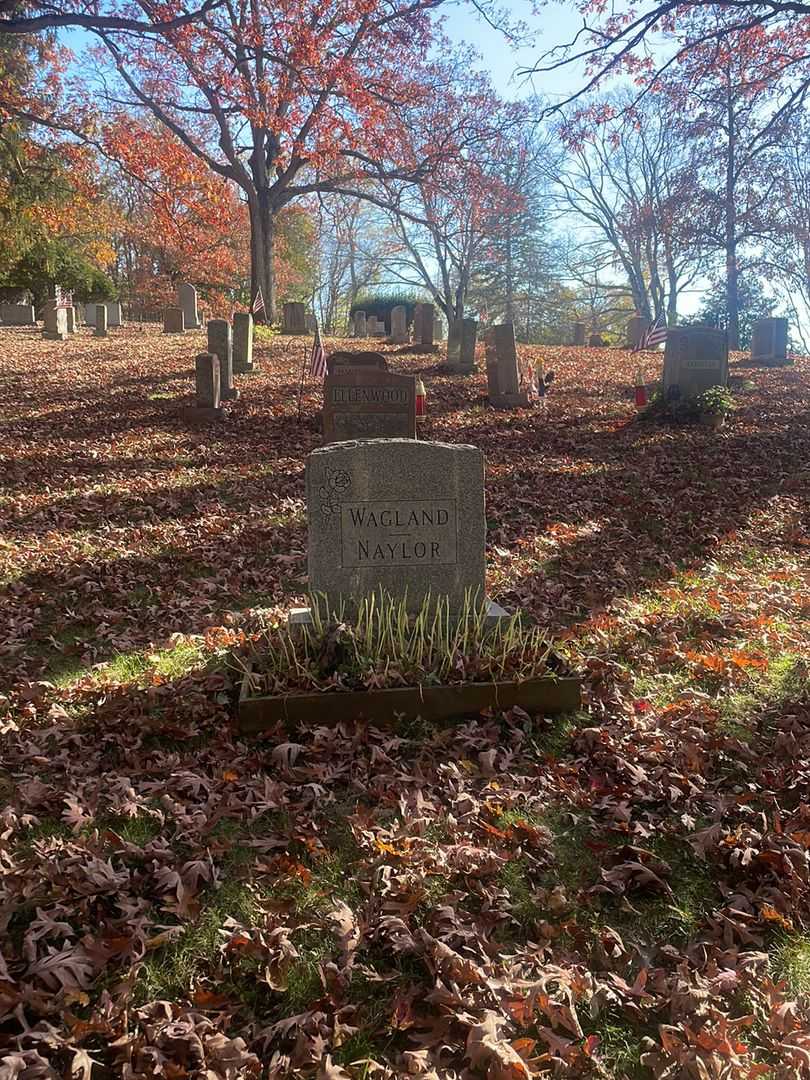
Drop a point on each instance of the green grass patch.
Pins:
(790, 962)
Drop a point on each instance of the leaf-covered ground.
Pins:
(621, 893)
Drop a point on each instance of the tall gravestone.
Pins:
(360, 325)
(695, 359)
(637, 327)
(220, 344)
(509, 379)
(399, 324)
(89, 314)
(461, 340)
(361, 360)
(173, 321)
(295, 318)
(417, 324)
(243, 343)
(769, 342)
(396, 514)
(115, 316)
(100, 320)
(70, 319)
(55, 328)
(187, 300)
(438, 328)
(426, 330)
(18, 315)
(368, 403)
(206, 405)
(580, 330)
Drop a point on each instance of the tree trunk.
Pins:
(732, 272)
(510, 282)
(262, 245)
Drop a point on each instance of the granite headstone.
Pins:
(769, 342)
(243, 343)
(368, 404)
(695, 359)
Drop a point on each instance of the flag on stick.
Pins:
(317, 362)
(654, 335)
(257, 307)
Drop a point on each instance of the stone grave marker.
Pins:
(100, 320)
(114, 314)
(461, 346)
(360, 324)
(371, 325)
(344, 361)
(206, 406)
(173, 321)
(438, 328)
(403, 515)
(596, 341)
(243, 343)
(55, 328)
(220, 344)
(580, 331)
(695, 359)
(769, 342)
(426, 329)
(295, 318)
(368, 404)
(399, 324)
(509, 379)
(70, 318)
(18, 315)
(417, 324)
(187, 300)
(637, 327)
(89, 316)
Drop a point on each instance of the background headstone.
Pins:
(243, 343)
(18, 314)
(461, 340)
(90, 314)
(769, 342)
(114, 315)
(295, 318)
(510, 381)
(368, 404)
(187, 300)
(417, 324)
(695, 359)
(403, 515)
(426, 330)
(399, 324)
(100, 320)
(70, 318)
(55, 328)
(596, 341)
(637, 327)
(220, 344)
(580, 330)
(206, 405)
(438, 328)
(173, 321)
(360, 324)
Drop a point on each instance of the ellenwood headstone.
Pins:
(366, 403)
(398, 514)
(695, 359)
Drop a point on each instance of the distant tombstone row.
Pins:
(510, 378)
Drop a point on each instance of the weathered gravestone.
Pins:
(114, 314)
(344, 361)
(438, 328)
(769, 342)
(173, 321)
(18, 315)
(509, 378)
(695, 359)
(596, 341)
(206, 406)
(295, 318)
(580, 330)
(398, 514)
(100, 320)
(368, 404)
(360, 325)
(55, 321)
(221, 345)
(416, 329)
(89, 314)
(243, 343)
(70, 319)
(423, 325)
(187, 300)
(399, 324)
(637, 327)
(461, 339)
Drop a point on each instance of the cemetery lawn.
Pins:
(624, 892)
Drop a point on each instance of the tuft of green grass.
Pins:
(179, 661)
(619, 1047)
(790, 962)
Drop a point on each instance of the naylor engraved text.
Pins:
(398, 533)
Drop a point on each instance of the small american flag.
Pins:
(257, 307)
(654, 335)
(317, 363)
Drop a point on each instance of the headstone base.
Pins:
(424, 349)
(511, 401)
(230, 395)
(457, 369)
(302, 616)
(243, 369)
(57, 335)
(197, 414)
